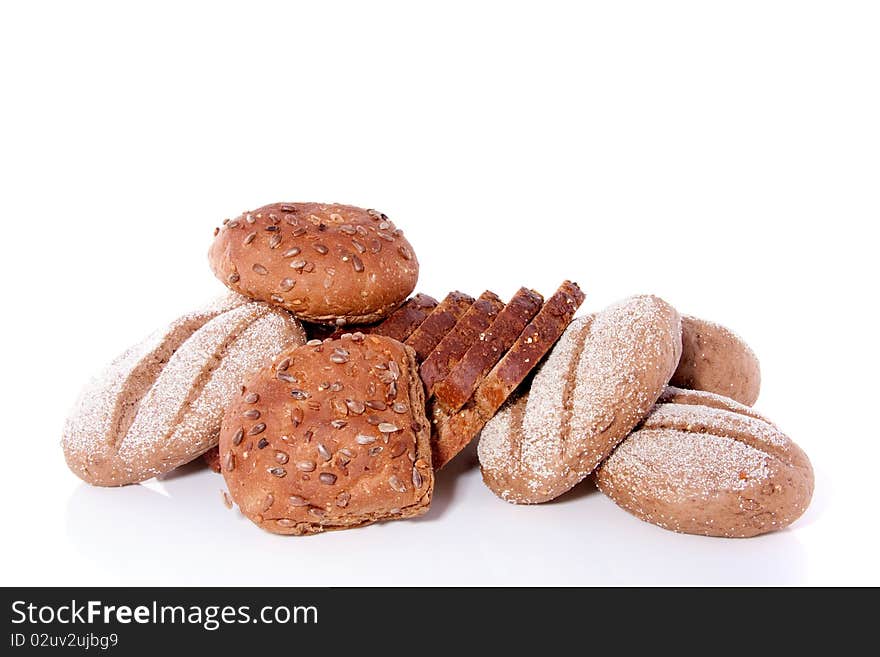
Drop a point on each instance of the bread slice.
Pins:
(530, 347)
(453, 431)
(400, 324)
(452, 392)
(469, 329)
(441, 320)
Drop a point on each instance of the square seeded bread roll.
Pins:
(332, 435)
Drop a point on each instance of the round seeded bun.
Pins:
(715, 359)
(713, 469)
(332, 435)
(159, 405)
(325, 263)
(601, 379)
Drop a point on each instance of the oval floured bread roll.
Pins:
(332, 435)
(713, 468)
(325, 263)
(600, 380)
(159, 405)
(715, 359)
(673, 395)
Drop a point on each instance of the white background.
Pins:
(725, 156)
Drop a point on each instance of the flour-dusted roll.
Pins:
(601, 379)
(715, 359)
(332, 435)
(713, 468)
(159, 405)
(325, 263)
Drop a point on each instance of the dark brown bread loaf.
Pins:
(333, 435)
(706, 469)
(459, 385)
(441, 320)
(325, 263)
(469, 330)
(453, 431)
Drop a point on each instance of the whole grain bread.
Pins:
(325, 263)
(598, 383)
(469, 330)
(159, 404)
(332, 435)
(708, 470)
(441, 320)
(673, 395)
(400, 324)
(459, 385)
(715, 359)
(453, 431)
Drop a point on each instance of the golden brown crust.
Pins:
(325, 263)
(452, 393)
(333, 435)
(441, 320)
(707, 470)
(715, 359)
(453, 346)
(598, 383)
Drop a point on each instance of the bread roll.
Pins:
(333, 435)
(707, 470)
(715, 359)
(673, 395)
(159, 404)
(599, 382)
(325, 263)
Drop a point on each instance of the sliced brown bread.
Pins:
(459, 385)
(400, 324)
(455, 344)
(453, 431)
(442, 319)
